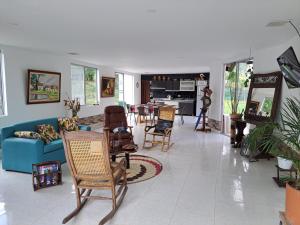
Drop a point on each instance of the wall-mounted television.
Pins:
(290, 68)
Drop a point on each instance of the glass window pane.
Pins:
(77, 77)
(128, 89)
(91, 96)
(2, 89)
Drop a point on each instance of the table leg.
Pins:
(127, 160)
(113, 158)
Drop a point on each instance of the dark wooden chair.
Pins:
(89, 163)
(131, 112)
(143, 113)
(163, 128)
(119, 133)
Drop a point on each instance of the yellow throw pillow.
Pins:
(27, 134)
(47, 133)
(68, 124)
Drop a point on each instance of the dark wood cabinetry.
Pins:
(188, 108)
(145, 91)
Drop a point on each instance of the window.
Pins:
(3, 108)
(85, 84)
(125, 88)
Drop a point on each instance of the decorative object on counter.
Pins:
(91, 169)
(107, 87)
(158, 78)
(162, 129)
(43, 87)
(73, 105)
(163, 78)
(46, 174)
(206, 103)
(154, 78)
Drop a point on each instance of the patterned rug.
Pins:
(142, 168)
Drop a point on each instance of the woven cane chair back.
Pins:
(87, 154)
(166, 113)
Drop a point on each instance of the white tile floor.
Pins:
(203, 181)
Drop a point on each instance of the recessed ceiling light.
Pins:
(73, 53)
(151, 11)
(278, 23)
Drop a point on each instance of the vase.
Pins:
(233, 118)
(74, 113)
(292, 205)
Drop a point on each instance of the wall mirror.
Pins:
(263, 97)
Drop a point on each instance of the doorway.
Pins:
(236, 87)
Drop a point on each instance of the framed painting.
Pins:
(253, 107)
(107, 87)
(43, 87)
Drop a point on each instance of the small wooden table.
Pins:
(127, 149)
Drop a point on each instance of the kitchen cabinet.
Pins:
(188, 108)
(158, 84)
(145, 91)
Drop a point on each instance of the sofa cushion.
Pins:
(68, 124)
(27, 134)
(47, 133)
(53, 146)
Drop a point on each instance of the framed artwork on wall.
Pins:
(43, 87)
(107, 87)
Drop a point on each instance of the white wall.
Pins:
(265, 60)
(19, 60)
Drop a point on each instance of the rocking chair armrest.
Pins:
(168, 131)
(130, 129)
(121, 164)
(147, 128)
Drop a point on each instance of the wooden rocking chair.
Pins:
(162, 129)
(88, 160)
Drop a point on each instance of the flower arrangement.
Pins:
(74, 105)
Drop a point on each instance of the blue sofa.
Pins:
(18, 154)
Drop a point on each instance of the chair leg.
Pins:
(80, 204)
(117, 205)
(163, 143)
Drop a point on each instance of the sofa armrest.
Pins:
(18, 154)
(84, 127)
(7, 132)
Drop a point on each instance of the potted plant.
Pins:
(234, 93)
(283, 140)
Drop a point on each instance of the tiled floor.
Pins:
(203, 181)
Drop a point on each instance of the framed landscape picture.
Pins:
(43, 87)
(107, 87)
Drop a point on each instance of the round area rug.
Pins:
(142, 168)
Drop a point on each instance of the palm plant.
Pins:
(280, 139)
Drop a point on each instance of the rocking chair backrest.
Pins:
(114, 116)
(87, 155)
(166, 113)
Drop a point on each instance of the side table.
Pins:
(128, 149)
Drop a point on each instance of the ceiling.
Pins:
(156, 36)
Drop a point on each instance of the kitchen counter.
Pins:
(188, 105)
(174, 100)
